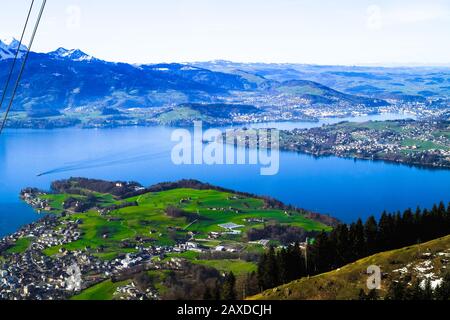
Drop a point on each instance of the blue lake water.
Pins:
(344, 188)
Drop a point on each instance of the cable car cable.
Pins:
(23, 65)
(16, 55)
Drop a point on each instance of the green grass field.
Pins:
(102, 291)
(238, 267)
(148, 219)
(20, 246)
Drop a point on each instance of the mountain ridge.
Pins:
(72, 79)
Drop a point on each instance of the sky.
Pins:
(344, 32)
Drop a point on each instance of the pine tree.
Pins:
(372, 295)
(251, 285)
(362, 295)
(216, 291)
(384, 232)
(343, 246)
(229, 287)
(207, 295)
(416, 292)
(321, 255)
(417, 223)
(397, 291)
(427, 291)
(370, 233)
(443, 291)
(268, 276)
(296, 267)
(408, 235)
(282, 266)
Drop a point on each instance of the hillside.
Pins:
(62, 81)
(182, 240)
(318, 93)
(419, 262)
(218, 113)
(64, 87)
(171, 232)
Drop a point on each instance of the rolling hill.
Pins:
(429, 260)
(318, 93)
(413, 83)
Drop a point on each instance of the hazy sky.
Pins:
(303, 31)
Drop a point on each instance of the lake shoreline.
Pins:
(339, 187)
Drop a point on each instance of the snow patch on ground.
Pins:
(424, 267)
(434, 283)
(401, 270)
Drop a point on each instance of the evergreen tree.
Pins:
(251, 286)
(372, 295)
(397, 291)
(229, 287)
(321, 254)
(443, 291)
(216, 291)
(371, 235)
(207, 295)
(362, 295)
(268, 276)
(427, 291)
(296, 266)
(283, 265)
(343, 246)
(416, 292)
(360, 243)
(407, 232)
(384, 232)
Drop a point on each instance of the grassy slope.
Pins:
(346, 282)
(238, 267)
(102, 291)
(20, 246)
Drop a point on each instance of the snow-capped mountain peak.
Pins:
(73, 54)
(8, 48)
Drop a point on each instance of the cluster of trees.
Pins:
(348, 243)
(222, 290)
(420, 290)
(191, 282)
(197, 282)
(120, 206)
(119, 189)
(174, 212)
(282, 233)
(276, 268)
(80, 204)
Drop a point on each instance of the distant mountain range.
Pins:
(64, 79)
(398, 83)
